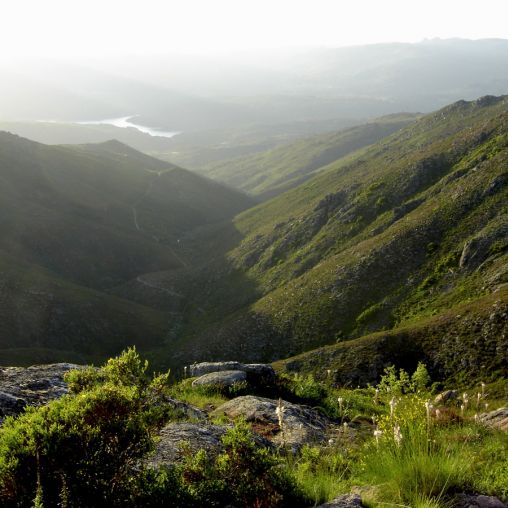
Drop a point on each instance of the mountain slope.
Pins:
(78, 210)
(271, 173)
(77, 221)
(402, 230)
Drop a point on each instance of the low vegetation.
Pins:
(390, 441)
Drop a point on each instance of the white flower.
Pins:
(397, 435)
(393, 403)
(279, 411)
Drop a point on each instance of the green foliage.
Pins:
(420, 379)
(369, 313)
(497, 247)
(322, 472)
(305, 388)
(275, 171)
(83, 447)
(414, 463)
(400, 382)
(244, 474)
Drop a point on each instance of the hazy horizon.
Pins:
(77, 29)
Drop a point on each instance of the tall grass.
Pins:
(416, 462)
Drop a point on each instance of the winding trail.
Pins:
(147, 192)
(135, 215)
(159, 288)
(148, 189)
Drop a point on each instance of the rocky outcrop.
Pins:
(186, 410)
(180, 439)
(301, 424)
(256, 373)
(497, 419)
(446, 397)
(31, 386)
(177, 439)
(223, 378)
(467, 501)
(485, 243)
(344, 501)
(199, 369)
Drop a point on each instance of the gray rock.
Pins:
(33, 386)
(199, 369)
(10, 405)
(344, 501)
(477, 249)
(187, 410)
(257, 373)
(467, 501)
(446, 397)
(175, 439)
(497, 419)
(301, 423)
(223, 378)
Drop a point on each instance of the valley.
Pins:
(254, 254)
(375, 228)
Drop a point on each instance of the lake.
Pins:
(125, 122)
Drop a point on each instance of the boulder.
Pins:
(223, 378)
(257, 373)
(497, 419)
(32, 386)
(186, 410)
(344, 501)
(175, 439)
(10, 405)
(301, 424)
(446, 397)
(467, 501)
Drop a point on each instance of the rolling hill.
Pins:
(270, 173)
(79, 220)
(399, 232)
(394, 252)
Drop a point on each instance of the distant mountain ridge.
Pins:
(268, 174)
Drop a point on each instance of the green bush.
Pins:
(83, 448)
(87, 449)
(243, 475)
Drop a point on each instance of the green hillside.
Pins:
(395, 233)
(392, 239)
(77, 221)
(270, 173)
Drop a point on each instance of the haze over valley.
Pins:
(302, 207)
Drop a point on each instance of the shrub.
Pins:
(84, 446)
(243, 475)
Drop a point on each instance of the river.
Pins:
(125, 122)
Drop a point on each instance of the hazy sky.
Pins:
(95, 27)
